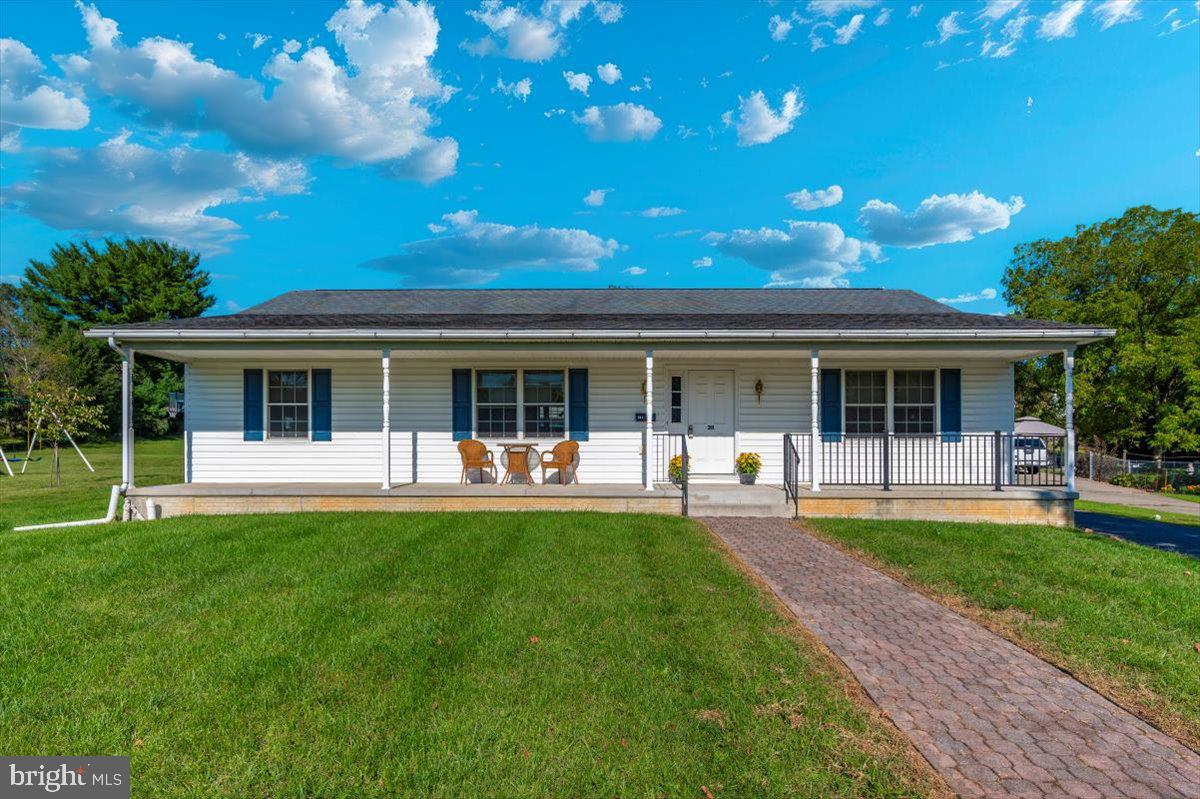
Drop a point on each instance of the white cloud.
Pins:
(516, 33)
(10, 142)
(29, 99)
(948, 26)
(291, 46)
(271, 216)
(985, 294)
(816, 254)
(662, 210)
(578, 81)
(473, 252)
(1012, 33)
(375, 110)
(831, 8)
(938, 219)
(779, 27)
(634, 270)
(610, 73)
(257, 40)
(125, 188)
(1060, 23)
(846, 33)
(596, 197)
(609, 12)
(520, 89)
(702, 263)
(620, 122)
(807, 200)
(758, 123)
(994, 10)
(915, 10)
(684, 132)
(1178, 25)
(436, 228)
(883, 17)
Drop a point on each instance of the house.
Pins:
(859, 401)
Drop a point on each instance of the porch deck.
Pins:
(947, 503)
(217, 498)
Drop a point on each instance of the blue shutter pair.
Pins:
(577, 409)
(252, 405)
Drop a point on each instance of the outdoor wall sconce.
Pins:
(758, 390)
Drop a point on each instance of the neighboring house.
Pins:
(372, 389)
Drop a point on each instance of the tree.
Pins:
(1140, 275)
(141, 280)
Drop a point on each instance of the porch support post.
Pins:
(386, 437)
(647, 472)
(126, 413)
(815, 444)
(1069, 415)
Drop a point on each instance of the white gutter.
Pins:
(108, 517)
(370, 334)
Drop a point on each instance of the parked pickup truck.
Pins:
(1030, 455)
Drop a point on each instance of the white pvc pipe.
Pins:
(108, 517)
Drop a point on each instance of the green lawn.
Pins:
(1138, 513)
(1123, 617)
(364, 655)
(28, 499)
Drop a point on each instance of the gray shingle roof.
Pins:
(585, 321)
(601, 301)
(600, 309)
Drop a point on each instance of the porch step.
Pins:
(738, 500)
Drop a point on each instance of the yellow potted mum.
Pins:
(748, 465)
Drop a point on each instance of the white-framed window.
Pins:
(914, 401)
(287, 403)
(496, 403)
(865, 401)
(521, 403)
(544, 399)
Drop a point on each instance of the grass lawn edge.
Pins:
(851, 687)
(1137, 512)
(1167, 723)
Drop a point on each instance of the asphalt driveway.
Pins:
(1180, 538)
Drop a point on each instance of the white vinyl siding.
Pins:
(422, 443)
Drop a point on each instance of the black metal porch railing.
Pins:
(996, 460)
(791, 471)
(666, 448)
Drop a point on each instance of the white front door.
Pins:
(710, 421)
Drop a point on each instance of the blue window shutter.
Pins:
(460, 387)
(577, 413)
(952, 404)
(831, 404)
(322, 405)
(252, 405)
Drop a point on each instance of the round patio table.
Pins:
(515, 460)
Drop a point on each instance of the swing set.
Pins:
(37, 432)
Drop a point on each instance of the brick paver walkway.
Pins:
(993, 719)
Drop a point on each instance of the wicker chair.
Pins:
(475, 455)
(565, 458)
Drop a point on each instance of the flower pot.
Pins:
(747, 479)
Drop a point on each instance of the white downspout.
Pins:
(113, 498)
(126, 414)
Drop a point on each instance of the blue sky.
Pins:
(577, 143)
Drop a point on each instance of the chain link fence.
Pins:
(1132, 470)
